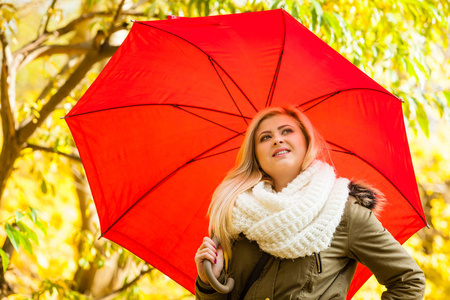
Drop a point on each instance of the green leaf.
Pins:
(294, 10)
(440, 106)
(413, 70)
(25, 242)
(33, 214)
(313, 24)
(318, 8)
(199, 7)
(82, 262)
(13, 236)
(406, 106)
(100, 263)
(44, 187)
(5, 259)
(231, 7)
(41, 227)
(422, 118)
(207, 11)
(318, 11)
(330, 18)
(447, 96)
(29, 232)
(19, 216)
(422, 68)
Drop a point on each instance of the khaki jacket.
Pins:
(360, 237)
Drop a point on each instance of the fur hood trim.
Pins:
(366, 195)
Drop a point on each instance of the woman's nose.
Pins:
(277, 141)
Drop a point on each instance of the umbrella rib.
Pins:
(346, 151)
(237, 86)
(228, 91)
(155, 104)
(185, 110)
(209, 57)
(329, 96)
(219, 153)
(277, 70)
(346, 90)
(166, 178)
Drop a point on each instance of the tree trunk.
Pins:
(95, 281)
(5, 289)
(83, 278)
(10, 152)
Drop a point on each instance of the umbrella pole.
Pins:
(229, 284)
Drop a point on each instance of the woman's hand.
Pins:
(208, 251)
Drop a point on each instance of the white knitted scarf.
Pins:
(299, 220)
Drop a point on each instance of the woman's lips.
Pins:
(280, 152)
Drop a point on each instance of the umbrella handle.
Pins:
(223, 289)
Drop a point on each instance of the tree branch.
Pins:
(46, 90)
(48, 50)
(8, 124)
(5, 288)
(89, 60)
(10, 146)
(52, 150)
(22, 53)
(125, 286)
(118, 13)
(112, 28)
(47, 17)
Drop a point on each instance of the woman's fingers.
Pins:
(207, 242)
(206, 254)
(208, 250)
(218, 265)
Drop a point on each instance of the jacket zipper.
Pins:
(318, 262)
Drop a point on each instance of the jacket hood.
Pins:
(366, 195)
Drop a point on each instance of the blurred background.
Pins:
(52, 50)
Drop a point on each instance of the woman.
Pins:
(282, 199)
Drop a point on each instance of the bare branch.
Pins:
(22, 53)
(116, 17)
(54, 49)
(89, 60)
(118, 13)
(5, 288)
(52, 150)
(69, 27)
(133, 13)
(8, 124)
(46, 90)
(47, 17)
(129, 284)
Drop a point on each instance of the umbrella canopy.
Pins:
(161, 125)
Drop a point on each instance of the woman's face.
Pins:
(280, 146)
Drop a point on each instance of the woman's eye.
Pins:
(264, 137)
(287, 130)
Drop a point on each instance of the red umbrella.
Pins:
(160, 127)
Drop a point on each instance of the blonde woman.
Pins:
(282, 199)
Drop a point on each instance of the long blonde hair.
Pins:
(247, 173)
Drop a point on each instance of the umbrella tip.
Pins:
(101, 236)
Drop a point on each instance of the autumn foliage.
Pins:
(52, 50)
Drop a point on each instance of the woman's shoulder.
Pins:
(365, 195)
(363, 201)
